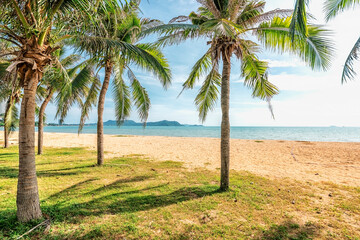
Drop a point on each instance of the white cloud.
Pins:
(303, 83)
(279, 63)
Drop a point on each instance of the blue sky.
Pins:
(306, 98)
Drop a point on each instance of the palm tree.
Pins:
(54, 82)
(227, 25)
(8, 93)
(114, 47)
(30, 26)
(11, 114)
(332, 8)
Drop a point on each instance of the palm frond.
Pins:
(255, 73)
(167, 29)
(211, 6)
(70, 60)
(250, 11)
(100, 46)
(348, 71)
(201, 67)
(334, 7)
(179, 37)
(154, 51)
(315, 49)
(147, 23)
(208, 94)
(299, 19)
(179, 19)
(267, 16)
(3, 72)
(90, 101)
(11, 117)
(73, 92)
(140, 97)
(122, 96)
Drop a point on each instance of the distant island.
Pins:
(133, 123)
(163, 123)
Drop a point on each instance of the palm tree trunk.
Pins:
(28, 205)
(100, 123)
(225, 123)
(6, 129)
(41, 120)
(6, 137)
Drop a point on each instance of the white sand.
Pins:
(305, 161)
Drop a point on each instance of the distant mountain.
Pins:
(133, 123)
(163, 123)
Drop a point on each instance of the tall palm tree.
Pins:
(227, 25)
(30, 25)
(332, 8)
(54, 82)
(114, 47)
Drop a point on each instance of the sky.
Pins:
(307, 98)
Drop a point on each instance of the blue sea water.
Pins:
(323, 134)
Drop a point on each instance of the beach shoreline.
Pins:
(336, 162)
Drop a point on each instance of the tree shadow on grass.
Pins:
(117, 184)
(117, 198)
(125, 202)
(129, 202)
(57, 212)
(71, 189)
(67, 161)
(8, 172)
(65, 169)
(5, 156)
(290, 230)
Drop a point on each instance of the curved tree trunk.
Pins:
(6, 130)
(225, 123)
(41, 120)
(28, 205)
(100, 123)
(6, 137)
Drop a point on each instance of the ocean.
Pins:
(322, 134)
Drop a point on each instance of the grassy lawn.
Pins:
(137, 198)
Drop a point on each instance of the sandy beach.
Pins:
(305, 161)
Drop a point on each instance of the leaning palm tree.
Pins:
(11, 114)
(113, 45)
(30, 26)
(332, 8)
(54, 82)
(227, 25)
(9, 93)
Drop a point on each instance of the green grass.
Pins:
(137, 198)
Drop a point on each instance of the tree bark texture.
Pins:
(29, 65)
(100, 123)
(225, 123)
(6, 137)
(28, 205)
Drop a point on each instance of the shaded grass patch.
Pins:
(134, 197)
